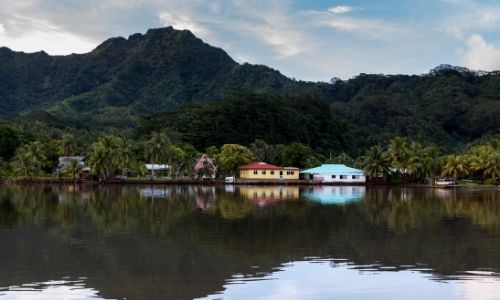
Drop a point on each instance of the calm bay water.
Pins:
(184, 242)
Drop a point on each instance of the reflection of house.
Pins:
(334, 194)
(154, 192)
(264, 171)
(266, 195)
(335, 173)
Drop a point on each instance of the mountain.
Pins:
(168, 77)
(159, 70)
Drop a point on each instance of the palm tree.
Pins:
(175, 159)
(156, 147)
(397, 153)
(414, 160)
(343, 158)
(485, 161)
(29, 160)
(73, 167)
(124, 154)
(103, 156)
(455, 166)
(259, 149)
(375, 162)
(67, 144)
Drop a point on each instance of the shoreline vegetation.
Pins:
(115, 159)
(221, 182)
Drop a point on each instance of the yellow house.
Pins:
(264, 171)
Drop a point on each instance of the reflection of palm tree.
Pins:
(375, 162)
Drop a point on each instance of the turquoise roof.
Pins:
(333, 169)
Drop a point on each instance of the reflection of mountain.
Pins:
(267, 195)
(334, 194)
(141, 248)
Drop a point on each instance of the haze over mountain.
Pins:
(124, 79)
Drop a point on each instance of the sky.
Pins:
(304, 39)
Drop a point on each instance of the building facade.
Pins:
(335, 173)
(265, 171)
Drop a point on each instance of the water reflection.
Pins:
(49, 290)
(334, 194)
(267, 195)
(325, 279)
(132, 244)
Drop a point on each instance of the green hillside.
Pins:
(170, 78)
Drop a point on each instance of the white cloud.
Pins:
(36, 35)
(481, 55)
(341, 9)
(465, 16)
(184, 22)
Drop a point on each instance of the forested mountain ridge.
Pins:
(170, 78)
(145, 73)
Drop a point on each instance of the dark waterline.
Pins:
(248, 242)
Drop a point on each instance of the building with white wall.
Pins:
(335, 173)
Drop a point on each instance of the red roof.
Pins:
(259, 166)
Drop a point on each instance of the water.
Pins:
(184, 242)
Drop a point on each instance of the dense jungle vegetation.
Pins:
(171, 85)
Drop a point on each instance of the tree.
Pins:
(67, 145)
(485, 161)
(397, 153)
(10, 139)
(73, 167)
(125, 155)
(455, 166)
(232, 156)
(298, 155)
(343, 158)
(176, 157)
(375, 162)
(103, 156)
(29, 160)
(156, 148)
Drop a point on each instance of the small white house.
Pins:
(157, 169)
(335, 173)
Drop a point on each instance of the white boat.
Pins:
(444, 182)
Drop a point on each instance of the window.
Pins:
(334, 176)
(343, 176)
(263, 172)
(272, 172)
(355, 176)
(291, 173)
(254, 172)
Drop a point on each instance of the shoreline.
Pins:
(238, 182)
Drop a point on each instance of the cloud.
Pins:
(481, 55)
(184, 22)
(30, 35)
(341, 9)
(464, 16)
